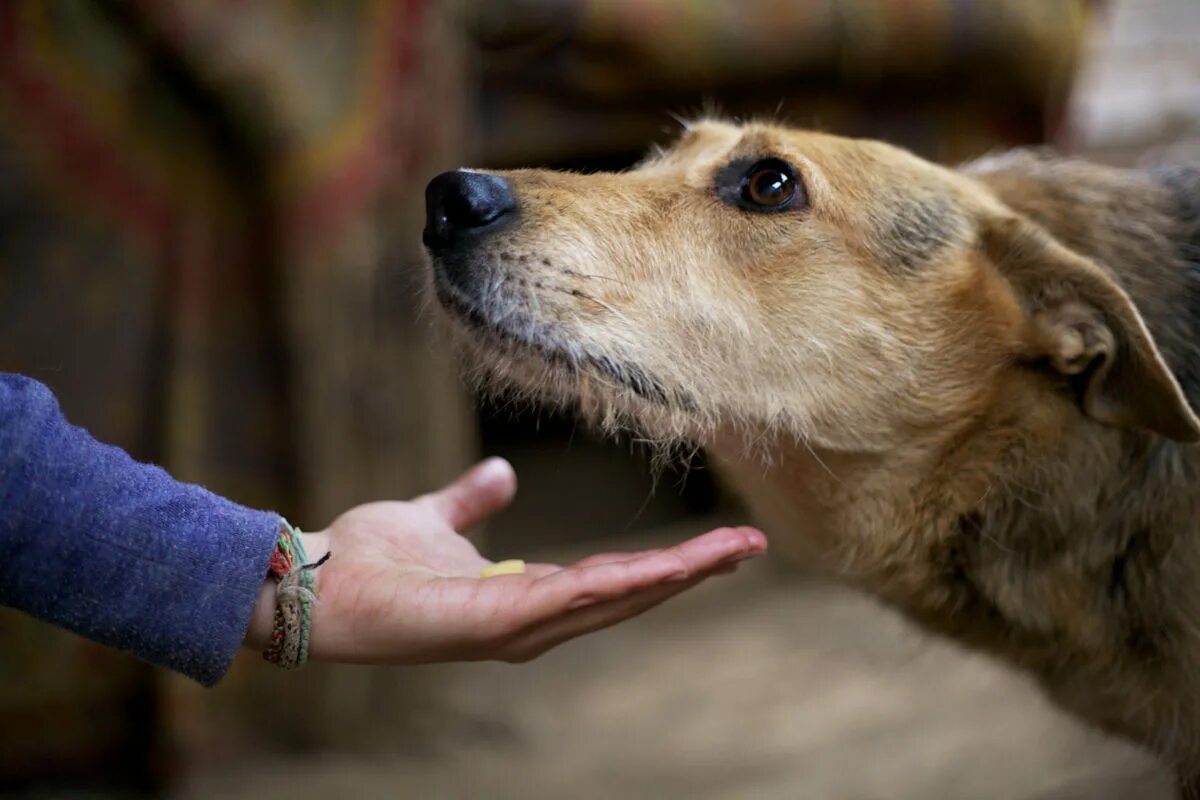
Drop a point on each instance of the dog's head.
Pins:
(842, 290)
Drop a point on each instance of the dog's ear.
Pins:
(1084, 325)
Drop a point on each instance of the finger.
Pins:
(552, 633)
(538, 570)
(476, 495)
(756, 543)
(697, 551)
(723, 544)
(579, 586)
(609, 558)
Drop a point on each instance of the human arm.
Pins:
(118, 551)
(122, 553)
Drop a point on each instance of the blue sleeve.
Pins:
(119, 551)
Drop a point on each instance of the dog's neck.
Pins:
(854, 514)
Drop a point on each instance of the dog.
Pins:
(968, 391)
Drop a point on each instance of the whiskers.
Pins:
(605, 305)
(590, 276)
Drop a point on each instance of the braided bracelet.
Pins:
(294, 598)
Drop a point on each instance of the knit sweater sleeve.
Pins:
(119, 551)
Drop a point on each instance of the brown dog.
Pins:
(966, 391)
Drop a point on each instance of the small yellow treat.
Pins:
(513, 566)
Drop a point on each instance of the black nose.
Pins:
(461, 203)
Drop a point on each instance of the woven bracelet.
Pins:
(294, 598)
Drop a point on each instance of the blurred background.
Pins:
(210, 216)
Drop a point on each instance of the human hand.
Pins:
(403, 587)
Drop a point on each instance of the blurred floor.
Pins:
(763, 685)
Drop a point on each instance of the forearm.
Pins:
(119, 551)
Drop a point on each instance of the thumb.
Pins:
(475, 495)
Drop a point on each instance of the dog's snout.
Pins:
(460, 203)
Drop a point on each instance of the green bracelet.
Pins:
(295, 595)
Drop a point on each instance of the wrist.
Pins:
(262, 619)
(258, 633)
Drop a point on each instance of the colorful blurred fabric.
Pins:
(210, 220)
(946, 77)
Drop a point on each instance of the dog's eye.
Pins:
(769, 184)
(762, 185)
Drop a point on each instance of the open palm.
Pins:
(403, 586)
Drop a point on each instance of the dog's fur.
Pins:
(966, 391)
